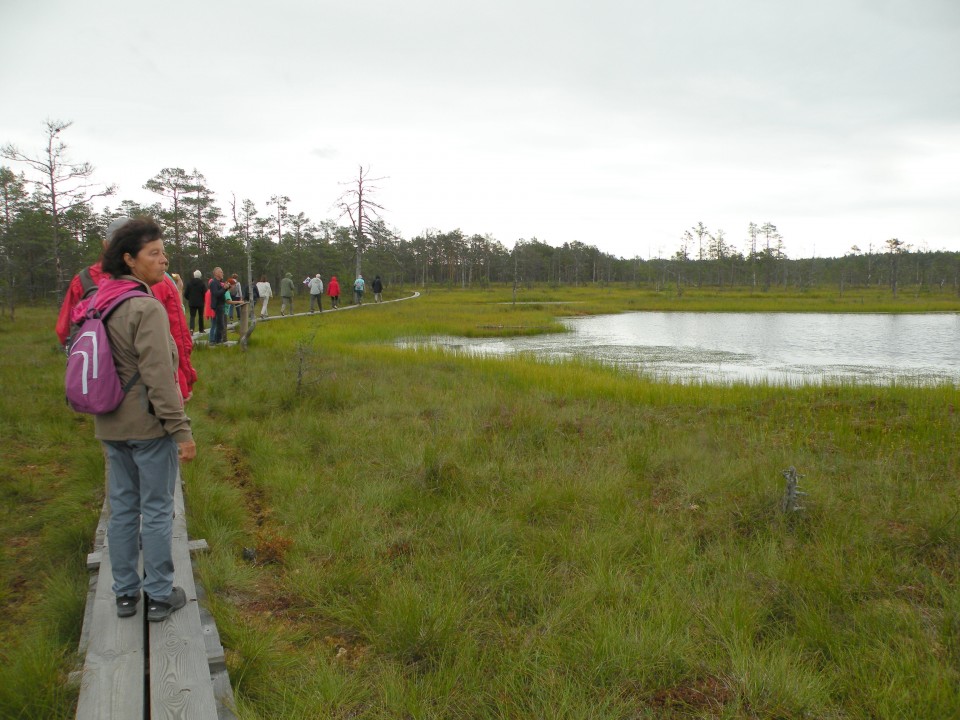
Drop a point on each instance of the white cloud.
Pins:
(617, 124)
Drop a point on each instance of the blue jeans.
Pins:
(218, 326)
(213, 329)
(142, 477)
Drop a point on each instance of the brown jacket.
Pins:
(140, 340)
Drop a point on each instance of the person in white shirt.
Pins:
(316, 292)
(263, 287)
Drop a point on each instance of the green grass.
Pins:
(448, 537)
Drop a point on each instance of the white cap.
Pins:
(114, 226)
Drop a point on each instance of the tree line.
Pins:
(50, 230)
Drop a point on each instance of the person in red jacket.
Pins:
(83, 284)
(86, 280)
(167, 293)
(333, 290)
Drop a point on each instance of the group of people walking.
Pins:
(214, 300)
(315, 287)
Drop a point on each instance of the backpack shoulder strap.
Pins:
(103, 312)
(134, 292)
(87, 285)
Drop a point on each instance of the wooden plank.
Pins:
(87, 626)
(180, 682)
(216, 658)
(224, 694)
(93, 565)
(198, 546)
(111, 687)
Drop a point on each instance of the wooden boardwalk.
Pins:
(137, 670)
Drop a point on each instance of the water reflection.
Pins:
(786, 348)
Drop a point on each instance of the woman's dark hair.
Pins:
(263, 278)
(130, 238)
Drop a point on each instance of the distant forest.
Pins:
(50, 232)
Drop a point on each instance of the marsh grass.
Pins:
(440, 536)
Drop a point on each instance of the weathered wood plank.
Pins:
(224, 694)
(198, 546)
(87, 626)
(111, 686)
(93, 564)
(180, 683)
(216, 657)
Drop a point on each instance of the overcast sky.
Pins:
(618, 123)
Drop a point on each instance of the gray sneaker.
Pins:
(158, 610)
(127, 605)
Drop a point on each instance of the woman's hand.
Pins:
(187, 451)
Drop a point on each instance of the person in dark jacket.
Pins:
(218, 300)
(193, 293)
(377, 287)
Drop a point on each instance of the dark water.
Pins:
(783, 348)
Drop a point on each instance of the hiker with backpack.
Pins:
(85, 283)
(148, 434)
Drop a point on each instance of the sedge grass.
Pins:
(442, 536)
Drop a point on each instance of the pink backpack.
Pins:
(92, 383)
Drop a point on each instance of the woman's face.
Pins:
(150, 263)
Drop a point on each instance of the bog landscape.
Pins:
(657, 419)
(425, 533)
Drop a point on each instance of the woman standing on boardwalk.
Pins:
(149, 434)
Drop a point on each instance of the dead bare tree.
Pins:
(356, 204)
(62, 184)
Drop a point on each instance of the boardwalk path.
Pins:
(202, 338)
(134, 669)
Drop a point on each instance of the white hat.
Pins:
(116, 225)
